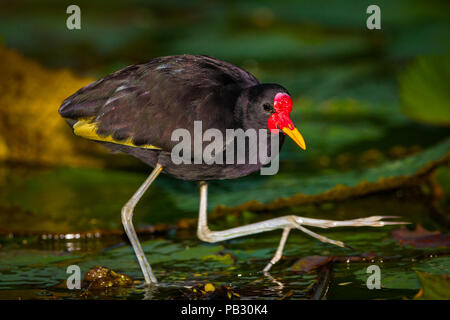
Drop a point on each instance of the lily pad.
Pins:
(421, 238)
(309, 263)
(403, 274)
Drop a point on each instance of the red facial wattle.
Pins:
(282, 103)
(280, 119)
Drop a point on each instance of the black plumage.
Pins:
(143, 104)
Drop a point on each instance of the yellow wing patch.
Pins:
(87, 128)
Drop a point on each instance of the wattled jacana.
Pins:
(136, 109)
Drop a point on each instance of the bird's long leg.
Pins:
(286, 223)
(127, 216)
(279, 252)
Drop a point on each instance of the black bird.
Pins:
(137, 109)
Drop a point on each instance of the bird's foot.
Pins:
(298, 222)
(287, 223)
(373, 221)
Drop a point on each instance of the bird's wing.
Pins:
(142, 105)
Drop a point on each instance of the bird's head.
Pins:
(269, 106)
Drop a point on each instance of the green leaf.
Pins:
(402, 274)
(424, 90)
(434, 287)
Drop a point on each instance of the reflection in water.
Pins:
(150, 292)
(73, 246)
(76, 242)
(279, 285)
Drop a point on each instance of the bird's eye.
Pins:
(267, 107)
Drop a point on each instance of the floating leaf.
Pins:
(309, 263)
(402, 272)
(421, 238)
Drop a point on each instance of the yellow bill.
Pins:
(296, 136)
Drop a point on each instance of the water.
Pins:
(33, 263)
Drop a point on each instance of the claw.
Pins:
(349, 247)
(390, 217)
(388, 223)
(374, 221)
